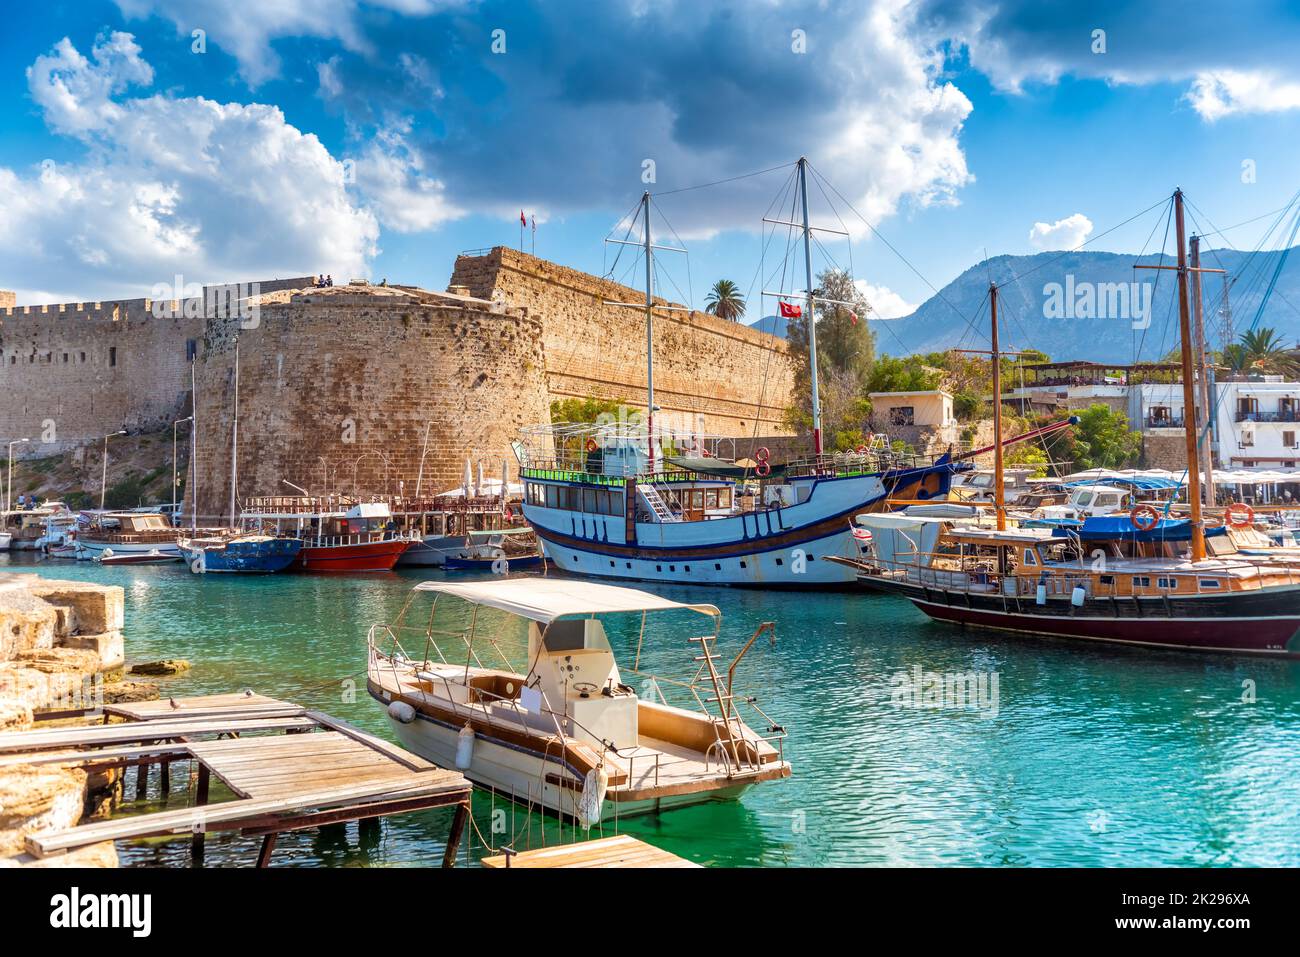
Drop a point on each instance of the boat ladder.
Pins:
(656, 503)
(732, 747)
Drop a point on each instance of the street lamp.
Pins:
(9, 486)
(175, 479)
(103, 474)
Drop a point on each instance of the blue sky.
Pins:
(382, 138)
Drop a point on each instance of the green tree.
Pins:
(911, 374)
(1263, 349)
(845, 351)
(1102, 439)
(586, 410)
(725, 301)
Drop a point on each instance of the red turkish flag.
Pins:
(522, 220)
(789, 310)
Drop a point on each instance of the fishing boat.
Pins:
(26, 527)
(1137, 578)
(627, 501)
(563, 729)
(127, 533)
(244, 554)
(152, 557)
(500, 551)
(335, 537)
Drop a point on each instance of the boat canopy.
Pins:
(1121, 528)
(720, 467)
(1141, 484)
(546, 599)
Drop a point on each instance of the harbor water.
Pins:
(1063, 754)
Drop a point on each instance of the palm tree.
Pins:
(1262, 349)
(725, 301)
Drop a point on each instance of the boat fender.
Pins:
(402, 712)
(1077, 596)
(465, 747)
(593, 797)
(1040, 597)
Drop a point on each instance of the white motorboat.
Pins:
(562, 729)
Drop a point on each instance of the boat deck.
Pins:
(289, 768)
(620, 851)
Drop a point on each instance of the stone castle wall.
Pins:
(72, 372)
(337, 388)
(710, 374)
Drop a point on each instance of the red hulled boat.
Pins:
(359, 538)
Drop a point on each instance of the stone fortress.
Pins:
(371, 388)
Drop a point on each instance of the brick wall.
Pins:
(342, 384)
(72, 372)
(736, 378)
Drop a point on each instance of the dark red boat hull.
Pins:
(1262, 622)
(363, 557)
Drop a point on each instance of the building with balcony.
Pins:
(1258, 422)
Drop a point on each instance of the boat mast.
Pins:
(999, 490)
(649, 332)
(812, 319)
(1189, 386)
(194, 447)
(1204, 456)
(234, 440)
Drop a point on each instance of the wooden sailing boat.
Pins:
(605, 500)
(1133, 579)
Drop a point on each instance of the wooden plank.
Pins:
(140, 731)
(73, 756)
(142, 710)
(230, 812)
(401, 755)
(619, 851)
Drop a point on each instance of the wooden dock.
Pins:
(620, 851)
(290, 768)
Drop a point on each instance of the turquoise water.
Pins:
(1087, 756)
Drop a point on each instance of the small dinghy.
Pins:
(151, 557)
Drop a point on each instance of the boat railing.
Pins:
(980, 576)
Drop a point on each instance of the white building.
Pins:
(1259, 423)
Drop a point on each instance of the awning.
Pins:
(720, 468)
(1153, 484)
(1110, 528)
(546, 599)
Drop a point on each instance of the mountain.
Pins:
(774, 325)
(1094, 305)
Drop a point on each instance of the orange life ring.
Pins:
(1239, 508)
(1144, 517)
(762, 469)
(762, 454)
(591, 445)
(863, 450)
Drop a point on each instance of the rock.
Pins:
(38, 798)
(122, 692)
(14, 715)
(103, 854)
(52, 661)
(98, 608)
(107, 646)
(26, 622)
(164, 668)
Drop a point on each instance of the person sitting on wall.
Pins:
(329, 280)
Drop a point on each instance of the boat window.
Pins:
(589, 500)
(1167, 582)
(1084, 499)
(566, 635)
(711, 498)
(724, 498)
(1107, 579)
(552, 496)
(1210, 583)
(1031, 557)
(1141, 581)
(616, 503)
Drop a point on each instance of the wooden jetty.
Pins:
(620, 851)
(290, 768)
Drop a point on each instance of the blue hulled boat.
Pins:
(249, 554)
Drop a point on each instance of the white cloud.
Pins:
(167, 185)
(1217, 94)
(1068, 233)
(885, 303)
(390, 175)
(248, 33)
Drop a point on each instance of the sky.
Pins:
(149, 144)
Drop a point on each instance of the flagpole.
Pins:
(812, 318)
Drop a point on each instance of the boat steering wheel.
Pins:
(585, 688)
